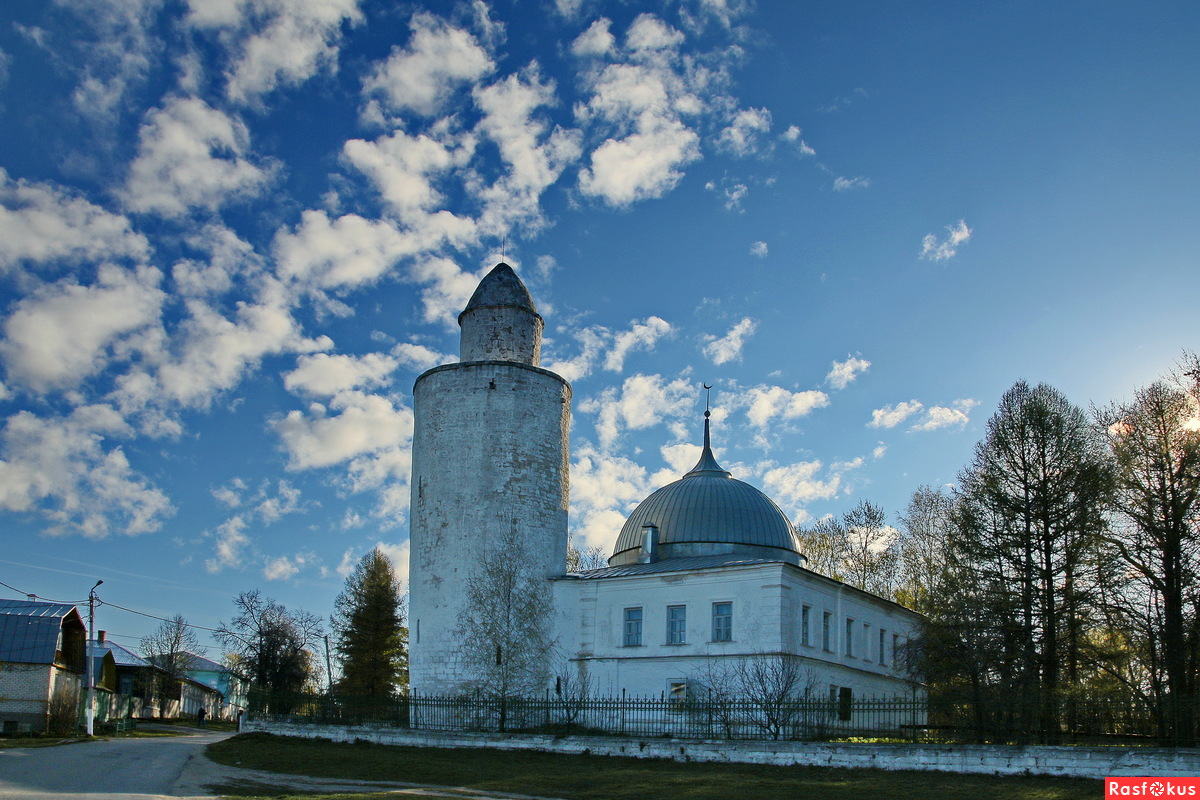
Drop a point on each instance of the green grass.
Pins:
(582, 777)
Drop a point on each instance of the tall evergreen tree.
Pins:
(372, 637)
(1155, 444)
(1030, 515)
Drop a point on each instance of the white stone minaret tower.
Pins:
(489, 456)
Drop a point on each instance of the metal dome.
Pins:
(707, 512)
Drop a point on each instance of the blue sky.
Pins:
(233, 233)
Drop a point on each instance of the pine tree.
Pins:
(372, 637)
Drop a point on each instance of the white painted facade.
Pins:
(490, 455)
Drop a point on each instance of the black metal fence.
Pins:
(930, 720)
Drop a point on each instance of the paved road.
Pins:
(170, 768)
(124, 769)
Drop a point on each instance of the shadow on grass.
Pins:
(586, 777)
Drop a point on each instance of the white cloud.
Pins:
(65, 332)
(191, 155)
(741, 137)
(280, 569)
(767, 403)
(604, 489)
(325, 375)
(534, 153)
(398, 554)
(365, 424)
(642, 402)
(419, 357)
(792, 136)
(957, 235)
(403, 169)
(845, 372)
(437, 59)
(729, 347)
(795, 485)
(641, 166)
(293, 40)
(759, 249)
(231, 543)
(116, 48)
(41, 223)
(643, 99)
(58, 467)
(447, 289)
(956, 416)
(734, 196)
(212, 353)
(270, 507)
(891, 416)
(641, 336)
(595, 41)
(847, 184)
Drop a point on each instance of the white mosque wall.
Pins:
(767, 602)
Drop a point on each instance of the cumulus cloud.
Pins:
(793, 137)
(795, 485)
(641, 336)
(642, 98)
(534, 153)
(275, 42)
(45, 225)
(364, 424)
(841, 184)
(231, 543)
(956, 236)
(845, 372)
(65, 332)
(891, 416)
(403, 169)
(60, 469)
(191, 155)
(729, 347)
(759, 249)
(597, 40)
(437, 59)
(744, 134)
(325, 375)
(764, 404)
(955, 416)
(641, 402)
(604, 489)
(419, 357)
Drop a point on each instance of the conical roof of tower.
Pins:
(500, 288)
(708, 512)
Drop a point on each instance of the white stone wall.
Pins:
(489, 453)
(1076, 762)
(491, 333)
(767, 601)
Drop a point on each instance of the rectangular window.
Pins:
(677, 692)
(827, 632)
(866, 641)
(805, 613)
(895, 647)
(849, 637)
(882, 645)
(633, 627)
(676, 624)
(722, 618)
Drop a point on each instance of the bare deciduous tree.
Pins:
(172, 648)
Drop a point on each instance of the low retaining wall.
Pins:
(1076, 762)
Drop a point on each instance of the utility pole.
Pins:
(87, 655)
(328, 666)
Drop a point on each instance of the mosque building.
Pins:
(705, 573)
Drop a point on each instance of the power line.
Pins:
(33, 596)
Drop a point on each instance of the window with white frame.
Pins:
(677, 693)
(849, 644)
(866, 653)
(722, 622)
(827, 632)
(676, 624)
(882, 647)
(805, 614)
(633, 627)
